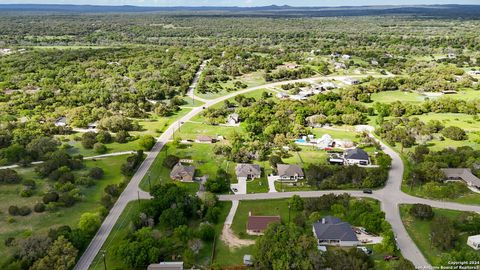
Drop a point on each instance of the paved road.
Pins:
(390, 197)
(133, 192)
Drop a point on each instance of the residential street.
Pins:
(390, 196)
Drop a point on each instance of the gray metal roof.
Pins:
(332, 228)
(166, 266)
(356, 153)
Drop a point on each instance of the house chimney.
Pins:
(323, 220)
(249, 213)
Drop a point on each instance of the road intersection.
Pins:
(390, 196)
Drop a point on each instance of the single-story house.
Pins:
(340, 65)
(451, 55)
(332, 231)
(346, 56)
(182, 173)
(282, 95)
(61, 122)
(256, 225)
(233, 119)
(288, 172)
(351, 81)
(326, 141)
(92, 125)
(166, 266)
(204, 139)
(356, 156)
(464, 174)
(247, 171)
(474, 241)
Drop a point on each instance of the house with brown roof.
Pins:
(289, 172)
(256, 225)
(182, 172)
(204, 139)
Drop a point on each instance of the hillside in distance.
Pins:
(453, 11)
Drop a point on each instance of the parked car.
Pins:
(390, 258)
(367, 191)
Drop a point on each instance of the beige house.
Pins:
(182, 173)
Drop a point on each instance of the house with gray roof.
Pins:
(356, 156)
(464, 174)
(289, 172)
(246, 171)
(333, 231)
(182, 172)
(61, 122)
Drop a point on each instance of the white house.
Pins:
(61, 122)
(351, 81)
(233, 119)
(346, 56)
(474, 241)
(356, 156)
(332, 231)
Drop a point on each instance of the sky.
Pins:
(242, 2)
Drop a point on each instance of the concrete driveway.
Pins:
(271, 183)
(241, 186)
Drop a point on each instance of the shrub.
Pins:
(99, 148)
(13, 210)
(50, 197)
(170, 161)
(66, 199)
(147, 142)
(112, 190)
(104, 136)
(9, 176)
(26, 193)
(9, 242)
(39, 207)
(89, 139)
(122, 136)
(24, 211)
(454, 133)
(29, 183)
(96, 173)
(85, 181)
(421, 211)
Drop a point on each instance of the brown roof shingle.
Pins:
(260, 223)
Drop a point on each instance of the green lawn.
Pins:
(190, 130)
(20, 227)
(191, 103)
(259, 185)
(348, 134)
(205, 162)
(419, 231)
(251, 80)
(392, 96)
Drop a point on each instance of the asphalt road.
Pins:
(390, 197)
(133, 192)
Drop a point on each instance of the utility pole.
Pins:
(149, 183)
(104, 260)
(138, 194)
(288, 213)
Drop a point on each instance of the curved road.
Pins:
(390, 196)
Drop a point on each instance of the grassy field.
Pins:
(190, 130)
(419, 231)
(191, 103)
(20, 227)
(251, 80)
(205, 162)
